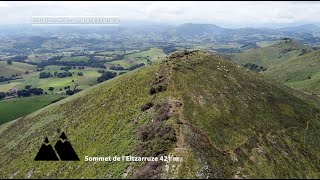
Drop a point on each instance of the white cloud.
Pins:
(221, 13)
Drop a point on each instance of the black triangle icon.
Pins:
(46, 140)
(46, 152)
(65, 150)
(63, 136)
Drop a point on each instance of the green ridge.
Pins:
(229, 123)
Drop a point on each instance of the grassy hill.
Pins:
(154, 54)
(272, 55)
(7, 70)
(301, 72)
(223, 120)
(289, 62)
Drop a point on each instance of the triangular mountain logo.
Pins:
(46, 152)
(62, 150)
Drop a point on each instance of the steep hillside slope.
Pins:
(241, 125)
(224, 121)
(98, 122)
(289, 62)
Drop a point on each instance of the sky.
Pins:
(225, 14)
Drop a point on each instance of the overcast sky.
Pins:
(227, 14)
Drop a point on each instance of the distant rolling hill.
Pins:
(301, 28)
(155, 35)
(190, 30)
(289, 62)
(7, 70)
(223, 120)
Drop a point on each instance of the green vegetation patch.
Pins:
(75, 59)
(11, 109)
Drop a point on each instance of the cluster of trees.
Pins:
(117, 67)
(169, 49)
(55, 61)
(135, 66)
(51, 89)
(16, 75)
(78, 54)
(63, 74)
(101, 71)
(72, 92)
(66, 87)
(43, 75)
(40, 69)
(2, 79)
(13, 77)
(55, 58)
(109, 74)
(106, 76)
(18, 58)
(66, 68)
(28, 91)
(117, 57)
(254, 67)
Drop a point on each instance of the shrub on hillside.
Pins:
(135, 66)
(106, 76)
(157, 138)
(43, 75)
(254, 67)
(158, 88)
(64, 74)
(151, 169)
(72, 92)
(163, 111)
(154, 130)
(118, 67)
(147, 106)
